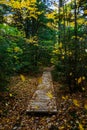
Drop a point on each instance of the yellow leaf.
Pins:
(60, 45)
(36, 45)
(37, 107)
(85, 11)
(62, 57)
(33, 0)
(22, 77)
(70, 53)
(81, 127)
(66, 97)
(76, 103)
(40, 80)
(85, 106)
(63, 98)
(83, 89)
(80, 21)
(16, 49)
(61, 128)
(56, 51)
(83, 77)
(79, 80)
(10, 95)
(49, 94)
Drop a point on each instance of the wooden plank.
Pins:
(43, 99)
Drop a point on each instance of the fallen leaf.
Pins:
(76, 103)
(65, 98)
(83, 89)
(70, 74)
(10, 95)
(61, 128)
(79, 80)
(49, 94)
(22, 77)
(40, 80)
(83, 77)
(81, 127)
(85, 106)
(37, 107)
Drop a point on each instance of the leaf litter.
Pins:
(72, 109)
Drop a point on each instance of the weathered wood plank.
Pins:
(43, 99)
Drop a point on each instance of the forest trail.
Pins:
(13, 108)
(44, 100)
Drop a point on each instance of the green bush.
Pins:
(9, 54)
(16, 56)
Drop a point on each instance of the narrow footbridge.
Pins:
(43, 100)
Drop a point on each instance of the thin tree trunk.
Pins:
(75, 44)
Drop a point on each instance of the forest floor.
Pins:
(72, 109)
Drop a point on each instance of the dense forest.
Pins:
(34, 36)
(27, 37)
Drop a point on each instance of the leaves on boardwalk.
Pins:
(40, 80)
(36, 107)
(50, 95)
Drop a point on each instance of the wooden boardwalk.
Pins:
(43, 99)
